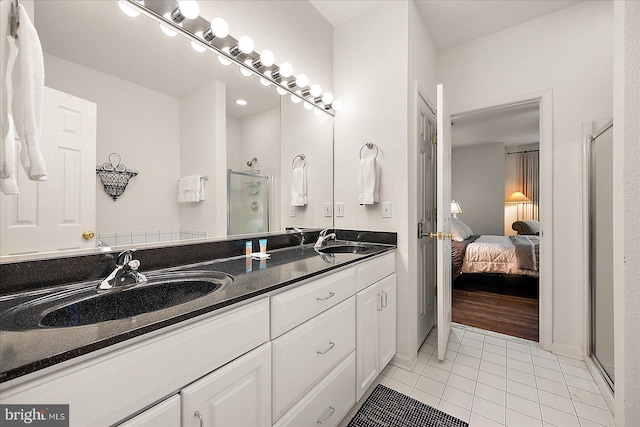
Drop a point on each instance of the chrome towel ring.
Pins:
(302, 157)
(369, 145)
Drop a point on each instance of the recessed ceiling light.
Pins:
(241, 102)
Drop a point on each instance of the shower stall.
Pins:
(247, 202)
(600, 184)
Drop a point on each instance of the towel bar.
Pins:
(369, 145)
(302, 157)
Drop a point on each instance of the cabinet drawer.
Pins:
(135, 376)
(374, 270)
(291, 308)
(328, 402)
(164, 414)
(303, 356)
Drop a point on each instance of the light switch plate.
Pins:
(386, 209)
(328, 209)
(292, 211)
(339, 209)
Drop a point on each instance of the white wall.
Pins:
(144, 130)
(570, 52)
(477, 184)
(626, 208)
(511, 184)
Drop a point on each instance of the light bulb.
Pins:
(317, 111)
(302, 80)
(220, 27)
(267, 58)
(166, 29)
(264, 81)
(286, 70)
(295, 99)
(327, 98)
(308, 106)
(281, 91)
(189, 8)
(221, 59)
(197, 46)
(315, 91)
(128, 10)
(244, 71)
(337, 105)
(245, 44)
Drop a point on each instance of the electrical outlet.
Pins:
(386, 209)
(340, 209)
(292, 211)
(328, 209)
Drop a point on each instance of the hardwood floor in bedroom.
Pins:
(513, 310)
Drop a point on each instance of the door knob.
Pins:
(88, 235)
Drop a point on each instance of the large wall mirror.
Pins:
(116, 84)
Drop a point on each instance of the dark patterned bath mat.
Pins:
(388, 408)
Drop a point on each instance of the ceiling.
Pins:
(451, 22)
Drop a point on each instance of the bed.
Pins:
(508, 255)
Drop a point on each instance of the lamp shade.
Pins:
(455, 207)
(517, 197)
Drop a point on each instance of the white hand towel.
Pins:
(190, 189)
(298, 187)
(8, 144)
(368, 182)
(29, 98)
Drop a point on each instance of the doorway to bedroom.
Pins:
(496, 194)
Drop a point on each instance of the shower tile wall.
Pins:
(148, 236)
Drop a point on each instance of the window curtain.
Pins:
(529, 181)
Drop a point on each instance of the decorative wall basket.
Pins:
(115, 177)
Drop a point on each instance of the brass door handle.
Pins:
(88, 235)
(440, 235)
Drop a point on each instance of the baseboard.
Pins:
(568, 350)
(405, 362)
(606, 392)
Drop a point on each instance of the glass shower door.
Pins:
(248, 203)
(601, 250)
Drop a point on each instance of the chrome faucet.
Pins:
(323, 237)
(303, 236)
(126, 272)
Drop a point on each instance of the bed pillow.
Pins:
(527, 226)
(459, 233)
(464, 227)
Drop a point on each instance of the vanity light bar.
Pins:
(161, 12)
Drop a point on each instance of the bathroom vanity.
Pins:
(294, 340)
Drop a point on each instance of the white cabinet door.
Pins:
(238, 394)
(164, 414)
(368, 306)
(387, 320)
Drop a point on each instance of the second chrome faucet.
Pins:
(126, 272)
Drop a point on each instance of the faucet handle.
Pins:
(125, 257)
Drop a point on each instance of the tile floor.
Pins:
(488, 380)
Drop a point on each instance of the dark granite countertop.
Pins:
(24, 351)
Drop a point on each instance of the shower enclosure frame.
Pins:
(267, 179)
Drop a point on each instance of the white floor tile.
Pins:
(453, 346)
(558, 418)
(480, 421)
(470, 351)
(454, 410)
(388, 370)
(427, 348)
(462, 383)
(492, 380)
(495, 341)
(516, 419)
(457, 397)
(470, 342)
(524, 406)
(455, 338)
(494, 358)
(426, 398)
(493, 368)
(522, 390)
(546, 363)
(519, 347)
(419, 367)
(465, 371)
(489, 410)
(423, 357)
(587, 423)
(474, 335)
(436, 373)
(442, 364)
(406, 377)
(496, 349)
(521, 377)
(450, 355)
(491, 394)
(557, 402)
(399, 387)
(588, 398)
(463, 359)
(577, 372)
(564, 360)
(430, 386)
(581, 383)
(543, 353)
(594, 414)
(549, 374)
(552, 387)
(518, 355)
(432, 339)
(520, 366)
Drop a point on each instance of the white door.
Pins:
(426, 200)
(238, 394)
(443, 221)
(51, 215)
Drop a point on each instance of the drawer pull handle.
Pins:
(331, 411)
(384, 299)
(331, 345)
(197, 414)
(326, 298)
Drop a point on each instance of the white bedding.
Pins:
(493, 254)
